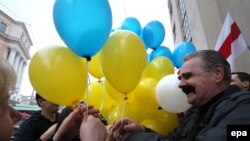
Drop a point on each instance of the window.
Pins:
(174, 32)
(170, 9)
(184, 20)
(3, 27)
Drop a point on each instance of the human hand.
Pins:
(110, 133)
(70, 125)
(92, 125)
(124, 127)
(92, 111)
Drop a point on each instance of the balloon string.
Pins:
(124, 8)
(123, 109)
(103, 96)
(87, 89)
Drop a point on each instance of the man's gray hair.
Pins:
(212, 58)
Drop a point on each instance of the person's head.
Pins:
(7, 114)
(204, 74)
(46, 105)
(241, 79)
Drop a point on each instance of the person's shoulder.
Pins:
(235, 99)
(240, 95)
(36, 116)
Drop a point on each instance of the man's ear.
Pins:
(246, 84)
(219, 72)
(40, 102)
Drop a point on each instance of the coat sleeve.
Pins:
(238, 115)
(26, 132)
(145, 136)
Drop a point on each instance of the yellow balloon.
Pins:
(118, 112)
(95, 94)
(112, 92)
(162, 123)
(123, 59)
(152, 124)
(95, 67)
(99, 99)
(58, 75)
(167, 121)
(144, 97)
(144, 93)
(108, 105)
(159, 67)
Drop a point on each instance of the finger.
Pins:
(110, 129)
(96, 115)
(93, 111)
(90, 106)
(120, 123)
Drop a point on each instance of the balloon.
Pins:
(148, 57)
(161, 51)
(99, 99)
(153, 34)
(94, 67)
(159, 67)
(123, 59)
(112, 92)
(84, 25)
(132, 24)
(166, 121)
(152, 124)
(144, 94)
(182, 50)
(169, 96)
(123, 110)
(95, 94)
(112, 30)
(58, 75)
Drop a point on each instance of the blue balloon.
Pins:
(148, 57)
(161, 51)
(153, 34)
(131, 24)
(83, 25)
(182, 50)
(112, 30)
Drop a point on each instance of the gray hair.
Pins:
(210, 59)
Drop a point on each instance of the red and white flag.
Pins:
(230, 42)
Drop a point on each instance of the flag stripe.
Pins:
(230, 43)
(226, 47)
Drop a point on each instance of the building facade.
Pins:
(15, 43)
(200, 21)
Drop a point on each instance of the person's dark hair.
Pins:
(212, 58)
(243, 76)
(37, 98)
(65, 112)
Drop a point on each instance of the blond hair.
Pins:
(7, 78)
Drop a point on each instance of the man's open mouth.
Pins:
(188, 89)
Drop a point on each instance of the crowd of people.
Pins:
(218, 97)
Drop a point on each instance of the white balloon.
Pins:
(169, 96)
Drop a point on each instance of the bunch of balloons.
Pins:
(136, 84)
(59, 74)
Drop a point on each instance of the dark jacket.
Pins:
(209, 122)
(32, 128)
